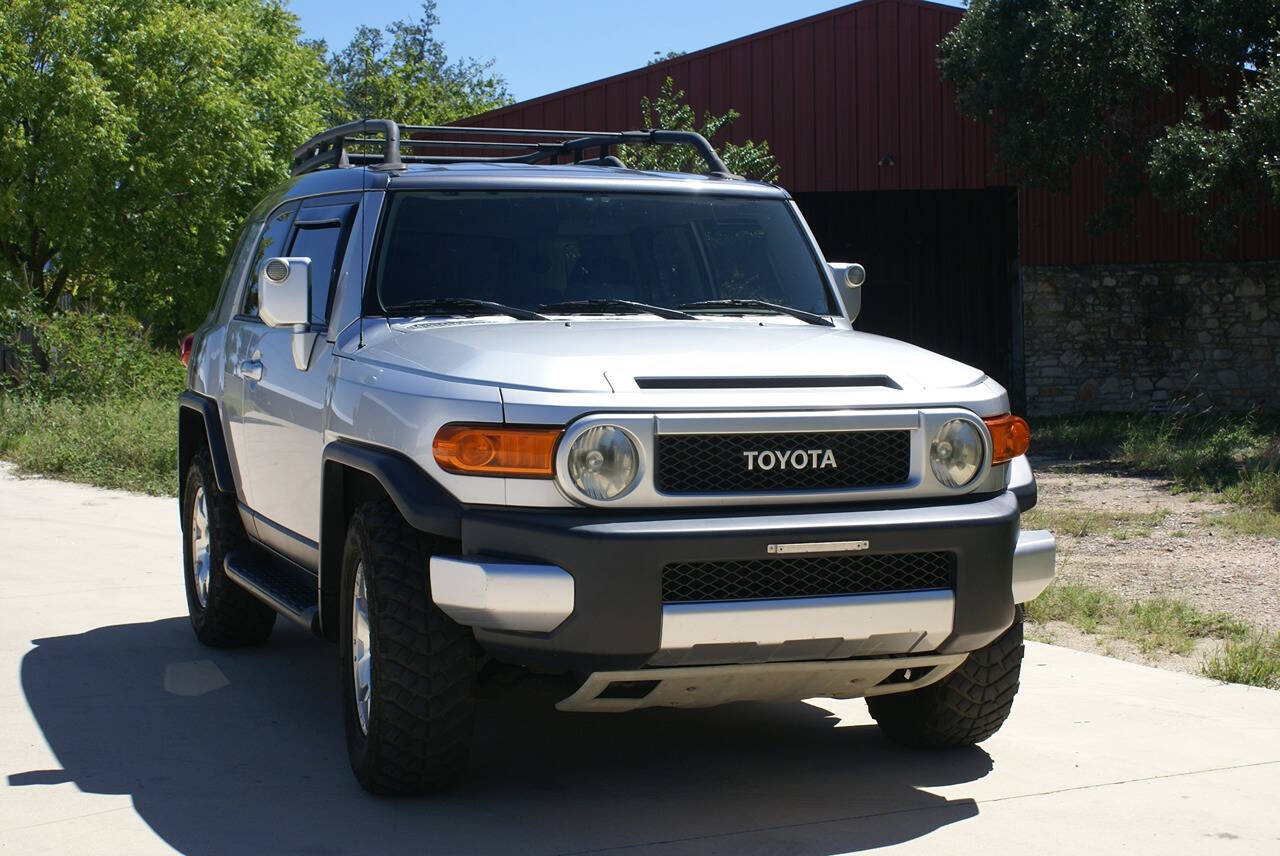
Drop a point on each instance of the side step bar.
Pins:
(279, 586)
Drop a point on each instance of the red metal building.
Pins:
(889, 173)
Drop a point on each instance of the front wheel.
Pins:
(409, 672)
(966, 707)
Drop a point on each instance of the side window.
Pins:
(320, 234)
(270, 244)
(236, 266)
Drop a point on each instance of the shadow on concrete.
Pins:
(243, 751)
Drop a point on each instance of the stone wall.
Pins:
(1145, 337)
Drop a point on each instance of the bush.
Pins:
(89, 399)
(88, 357)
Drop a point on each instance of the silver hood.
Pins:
(608, 355)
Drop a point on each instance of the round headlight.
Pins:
(956, 453)
(603, 462)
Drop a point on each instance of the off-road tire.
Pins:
(966, 707)
(423, 668)
(231, 617)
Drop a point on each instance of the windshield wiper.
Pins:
(464, 306)
(605, 304)
(737, 303)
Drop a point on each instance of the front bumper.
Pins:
(582, 590)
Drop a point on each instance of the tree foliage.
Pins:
(135, 136)
(668, 111)
(1218, 173)
(663, 56)
(403, 72)
(1065, 79)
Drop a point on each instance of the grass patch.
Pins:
(130, 444)
(1262, 522)
(1071, 521)
(1234, 456)
(1159, 624)
(1081, 434)
(1166, 624)
(1080, 606)
(1254, 660)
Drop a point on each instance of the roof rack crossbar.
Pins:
(331, 148)
(462, 144)
(367, 159)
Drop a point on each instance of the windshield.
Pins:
(528, 250)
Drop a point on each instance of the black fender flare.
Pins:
(421, 501)
(190, 400)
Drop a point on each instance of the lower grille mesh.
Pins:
(810, 576)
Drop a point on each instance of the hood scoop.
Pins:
(880, 381)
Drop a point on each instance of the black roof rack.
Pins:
(333, 148)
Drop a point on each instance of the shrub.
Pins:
(88, 398)
(88, 357)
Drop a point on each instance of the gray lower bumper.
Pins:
(583, 590)
(495, 594)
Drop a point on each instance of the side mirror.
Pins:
(849, 277)
(284, 300)
(284, 292)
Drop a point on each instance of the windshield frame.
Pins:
(372, 305)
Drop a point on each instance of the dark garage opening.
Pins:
(942, 269)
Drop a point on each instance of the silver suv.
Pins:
(523, 406)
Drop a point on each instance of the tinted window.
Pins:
(237, 264)
(270, 244)
(320, 244)
(527, 249)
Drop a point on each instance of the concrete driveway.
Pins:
(119, 733)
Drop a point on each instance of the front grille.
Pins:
(810, 576)
(718, 463)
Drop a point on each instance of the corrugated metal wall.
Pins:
(851, 100)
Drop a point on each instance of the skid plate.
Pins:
(705, 686)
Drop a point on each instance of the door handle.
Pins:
(251, 370)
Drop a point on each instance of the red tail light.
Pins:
(185, 350)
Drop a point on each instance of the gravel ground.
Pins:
(1180, 557)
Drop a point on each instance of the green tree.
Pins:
(135, 136)
(668, 111)
(403, 72)
(1219, 173)
(1065, 79)
(663, 56)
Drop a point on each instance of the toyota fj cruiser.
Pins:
(498, 408)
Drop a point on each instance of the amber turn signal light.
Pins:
(492, 450)
(1010, 437)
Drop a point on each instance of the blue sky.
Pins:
(550, 45)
